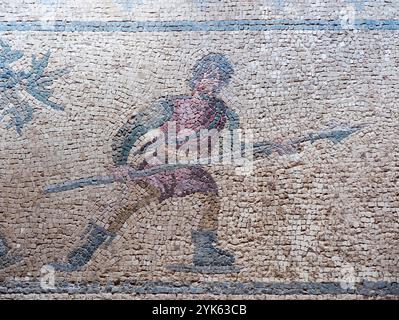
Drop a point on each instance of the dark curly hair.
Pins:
(210, 64)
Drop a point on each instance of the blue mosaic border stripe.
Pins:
(181, 26)
(365, 288)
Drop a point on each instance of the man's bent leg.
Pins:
(205, 238)
(123, 214)
(96, 235)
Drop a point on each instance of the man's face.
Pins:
(209, 83)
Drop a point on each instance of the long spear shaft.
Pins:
(134, 175)
(260, 149)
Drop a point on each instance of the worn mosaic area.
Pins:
(112, 183)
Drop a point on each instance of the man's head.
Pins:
(211, 73)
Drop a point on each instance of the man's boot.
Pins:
(205, 252)
(79, 257)
(6, 258)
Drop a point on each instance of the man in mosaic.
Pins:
(202, 109)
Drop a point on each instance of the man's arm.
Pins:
(137, 126)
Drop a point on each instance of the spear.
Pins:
(260, 150)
